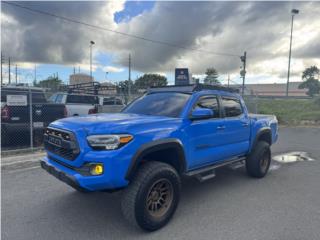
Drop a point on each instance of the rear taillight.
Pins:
(92, 111)
(5, 113)
(65, 112)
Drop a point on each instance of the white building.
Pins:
(108, 88)
(80, 78)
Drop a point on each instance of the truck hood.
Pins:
(112, 123)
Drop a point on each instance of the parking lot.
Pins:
(284, 205)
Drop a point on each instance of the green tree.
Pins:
(311, 80)
(195, 80)
(150, 80)
(123, 87)
(211, 76)
(53, 83)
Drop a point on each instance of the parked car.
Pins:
(15, 114)
(168, 133)
(110, 104)
(77, 104)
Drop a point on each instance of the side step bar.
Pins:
(206, 175)
(208, 172)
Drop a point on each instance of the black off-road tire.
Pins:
(139, 196)
(258, 162)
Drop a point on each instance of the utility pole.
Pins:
(293, 12)
(129, 78)
(16, 74)
(9, 72)
(107, 75)
(228, 80)
(2, 61)
(91, 43)
(243, 71)
(35, 74)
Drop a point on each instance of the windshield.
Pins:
(169, 104)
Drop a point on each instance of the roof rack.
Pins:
(200, 87)
(192, 88)
(91, 88)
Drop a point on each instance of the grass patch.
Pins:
(290, 111)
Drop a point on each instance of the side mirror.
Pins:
(201, 113)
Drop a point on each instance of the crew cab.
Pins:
(77, 104)
(145, 150)
(15, 114)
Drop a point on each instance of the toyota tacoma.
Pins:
(145, 150)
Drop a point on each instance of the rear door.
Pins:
(237, 126)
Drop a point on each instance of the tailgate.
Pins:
(42, 113)
(47, 112)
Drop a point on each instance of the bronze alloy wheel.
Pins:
(159, 198)
(152, 197)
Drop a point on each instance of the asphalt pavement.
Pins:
(283, 206)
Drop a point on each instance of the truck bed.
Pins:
(261, 116)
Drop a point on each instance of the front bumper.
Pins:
(68, 179)
(111, 179)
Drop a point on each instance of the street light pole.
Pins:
(243, 71)
(129, 78)
(9, 71)
(91, 43)
(2, 62)
(293, 12)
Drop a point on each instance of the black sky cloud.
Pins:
(260, 28)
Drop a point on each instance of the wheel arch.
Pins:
(264, 134)
(156, 150)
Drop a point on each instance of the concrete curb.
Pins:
(21, 161)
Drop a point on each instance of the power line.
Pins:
(117, 32)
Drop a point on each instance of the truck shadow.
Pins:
(100, 213)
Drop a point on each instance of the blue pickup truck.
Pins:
(145, 150)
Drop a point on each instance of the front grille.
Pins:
(61, 143)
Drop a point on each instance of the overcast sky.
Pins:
(260, 28)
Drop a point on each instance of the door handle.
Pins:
(221, 127)
(245, 124)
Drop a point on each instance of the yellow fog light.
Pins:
(96, 169)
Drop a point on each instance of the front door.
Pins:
(206, 136)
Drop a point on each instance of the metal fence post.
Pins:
(257, 103)
(31, 119)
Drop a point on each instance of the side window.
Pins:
(59, 98)
(38, 97)
(4, 96)
(232, 107)
(210, 102)
(108, 101)
(82, 99)
(119, 102)
(52, 99)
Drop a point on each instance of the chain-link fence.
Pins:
(251, 103)
(27, 111)
(23, 117)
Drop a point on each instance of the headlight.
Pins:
(108, 142)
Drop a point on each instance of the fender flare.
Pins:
(264, 130)
(154, 146)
